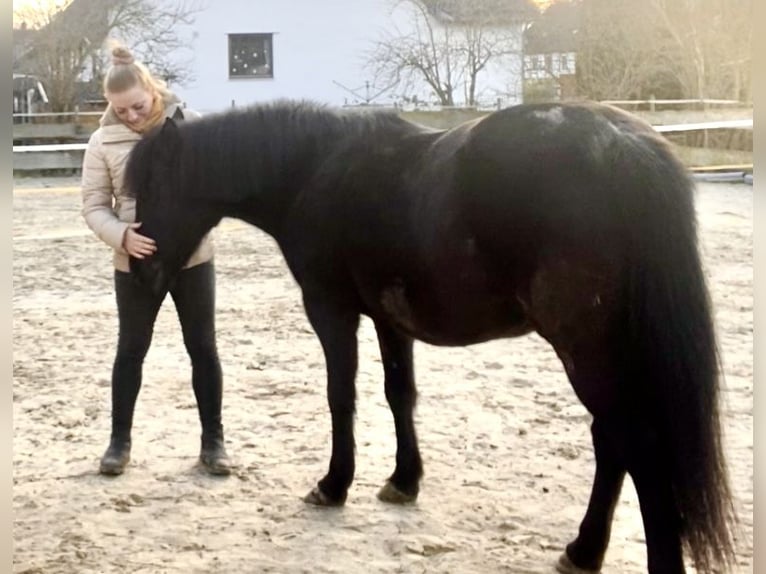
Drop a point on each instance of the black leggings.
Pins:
(193, 293)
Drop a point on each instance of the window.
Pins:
(571, 62)
(250, 56)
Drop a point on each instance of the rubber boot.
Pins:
(116, 457)
(213, 455)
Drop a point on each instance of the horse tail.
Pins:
(673, 344)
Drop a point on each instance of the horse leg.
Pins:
(630, 436)
(650, 471)
(576, 305)
(624, 439)
(336, 327)
(586, 552)
(396, 353)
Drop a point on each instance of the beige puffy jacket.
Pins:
(105, 205)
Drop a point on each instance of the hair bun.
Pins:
(122, 56)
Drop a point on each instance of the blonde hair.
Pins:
(125, 73)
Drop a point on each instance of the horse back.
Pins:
(447, 234)
(406, 246)
(494, 218)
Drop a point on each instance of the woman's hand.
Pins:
(137, 245)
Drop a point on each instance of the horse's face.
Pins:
(154, 178)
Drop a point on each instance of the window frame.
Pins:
(266, 44)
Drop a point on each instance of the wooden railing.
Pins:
(45, 142)
(64, 124)
(51, 141)
(43, 157)
(652, 104)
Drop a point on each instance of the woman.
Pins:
(136, 103)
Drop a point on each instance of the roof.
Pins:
(88, 18)
(555, 30)
(496, 12)
(82, 21)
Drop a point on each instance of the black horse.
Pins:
(571, 220)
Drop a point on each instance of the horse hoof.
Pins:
(319, 498)
(389, 493)
(566, 566)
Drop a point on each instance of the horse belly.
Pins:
(457, 312)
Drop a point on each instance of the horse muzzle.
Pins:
(151, 274)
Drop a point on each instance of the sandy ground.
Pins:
(506, 445)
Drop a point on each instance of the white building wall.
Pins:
(315, 44)
(501, 83)
(319, 52)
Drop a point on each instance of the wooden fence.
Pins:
(51, 141)
(57, 142)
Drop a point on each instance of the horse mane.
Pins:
(236, 150)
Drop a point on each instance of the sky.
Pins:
(34, 5)
(21, 4)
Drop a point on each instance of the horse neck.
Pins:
(262, 163)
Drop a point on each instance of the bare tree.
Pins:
(70, 41)
(713, 40)
(621, 50)
(446, 45)
(679, 48)
(151, 29)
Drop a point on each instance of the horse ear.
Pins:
(169, 126)
(169, 138)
